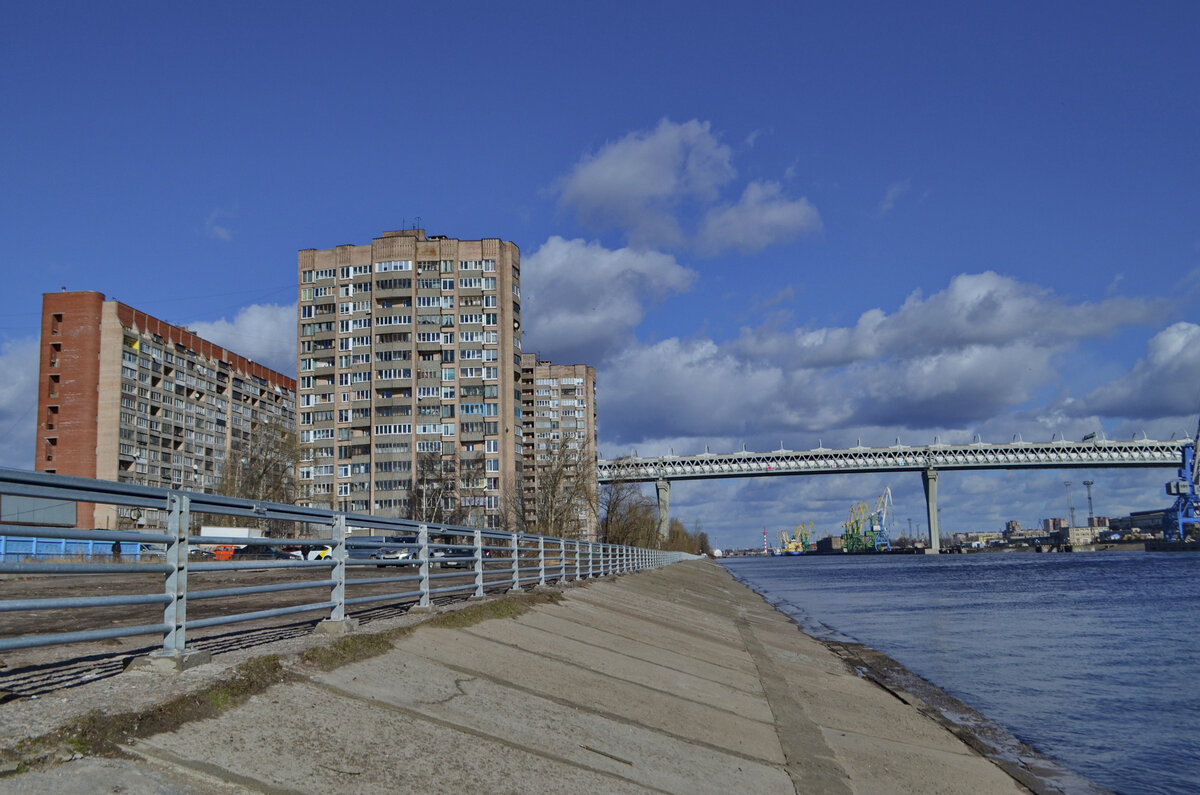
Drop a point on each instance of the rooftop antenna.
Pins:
(417, 223)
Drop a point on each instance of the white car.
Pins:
(309, 552)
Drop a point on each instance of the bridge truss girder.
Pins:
(927, 460)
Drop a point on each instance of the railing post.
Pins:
(423, 557)
(478, 564)
(337, 623)
(562, 559)
(516, 563)
(591, 560)
(578, 561)
(338, 597)
(541, 561)
(175, 613)
(174, 655)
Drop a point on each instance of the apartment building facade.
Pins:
(125, 396)
(409, 375)
(558, 488)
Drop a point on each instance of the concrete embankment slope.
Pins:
(676, 680)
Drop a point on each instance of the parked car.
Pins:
(250, 552)
(458, 556)
(309, 552)
(224, 551)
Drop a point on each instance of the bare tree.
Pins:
(628, 515)
(557, 495)
(435, 494)
(262, 466)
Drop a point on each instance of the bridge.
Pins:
(928, 460)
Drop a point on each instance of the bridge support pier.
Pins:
(663, 487)
(929, 478)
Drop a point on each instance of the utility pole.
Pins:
(1070, 505)
(1091, 512)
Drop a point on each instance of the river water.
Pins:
(1091, 658)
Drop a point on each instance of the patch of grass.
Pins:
(348, 649)
(99, 733)
(508, 607)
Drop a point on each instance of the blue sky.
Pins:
(763, 223)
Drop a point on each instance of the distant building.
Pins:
(127, 397)
(829, 544)
(1076, 536)
(1053, 525)
(558, 410)
(1012, 526)
(1142, 522)
(1098, 521)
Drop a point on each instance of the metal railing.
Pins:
(421, 560)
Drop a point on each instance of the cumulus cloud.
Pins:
(18, 402)
(637, 182)
(1164, 383)
(946, 365)
(265, 333)
(584, 300)
(762, 217)
(985, 309)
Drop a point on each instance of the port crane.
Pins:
(1182, 519)
(867, 529)
(797, 542)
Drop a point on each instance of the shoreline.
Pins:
(991, 739)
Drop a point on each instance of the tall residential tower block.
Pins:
(127, 397)
(409, 377)
(559, 494)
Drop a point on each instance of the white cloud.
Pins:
(947, 365)
(762, 217)
(637, 182)
(214, 229)
(985, 309)
(894, 192)
(18, 402)
(1165, 383)
(583, 301)
(265, 333)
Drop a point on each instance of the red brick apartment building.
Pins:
(127, 397)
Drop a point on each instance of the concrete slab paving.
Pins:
(687, 642)
(678, 680)
(656, 651)
(571, 731)
(633, 701)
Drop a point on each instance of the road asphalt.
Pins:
(673, 680)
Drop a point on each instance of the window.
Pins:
(393, 429)
(393, 265)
